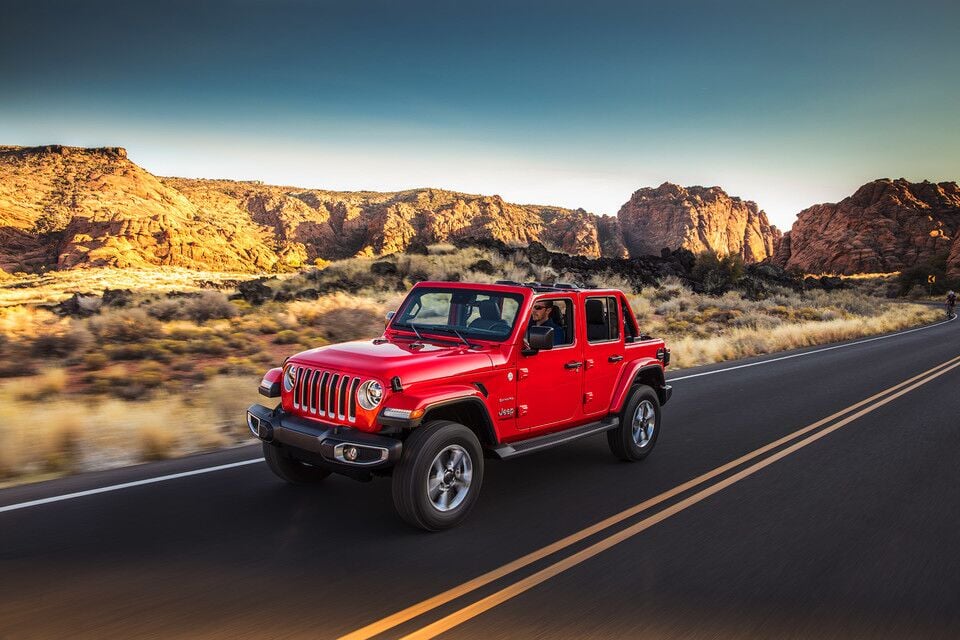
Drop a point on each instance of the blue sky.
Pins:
(570, 103)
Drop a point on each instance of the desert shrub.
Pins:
(150, 375)
(237, 366)
(179, 331)
(717, 275)
(340, 325)
(69, 340)
(210, 305)
(675, 306)
(268, 325)
(671, 287)
(287, 336)
(849, 301)
(756, 320)
(95, 360)
(157, 441)
(48, 384)
(213, 345)
(642, 307)
(147, 350)
(127, 325)
(166, 309)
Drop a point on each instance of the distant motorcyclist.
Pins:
(951, 303)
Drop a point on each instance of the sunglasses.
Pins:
(540, 307)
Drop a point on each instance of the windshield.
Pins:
(484, 315)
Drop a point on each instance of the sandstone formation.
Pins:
(63, 207)
(887, 225)
(66, 207)
(696, 218)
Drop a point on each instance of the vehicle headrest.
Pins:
(594, 309)
(489, 310)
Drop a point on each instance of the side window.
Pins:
(603, 319)
(630, 330)
(556, 313)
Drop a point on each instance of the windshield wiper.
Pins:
(414, 327)
(460, 336)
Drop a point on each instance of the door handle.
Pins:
(573, 365)
(615, 358)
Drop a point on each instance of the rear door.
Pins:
(549, 382)
(603, 352)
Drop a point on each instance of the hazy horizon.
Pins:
(539, 102)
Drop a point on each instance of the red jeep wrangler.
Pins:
(464, 371)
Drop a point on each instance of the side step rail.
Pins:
(540, 443)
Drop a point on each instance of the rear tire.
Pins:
(438, 479)
(634, 438)
(290, 469)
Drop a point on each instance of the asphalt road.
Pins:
(848, 529)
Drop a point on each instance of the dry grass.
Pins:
(70, 435)
(752, 341)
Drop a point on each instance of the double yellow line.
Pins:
(853, 412)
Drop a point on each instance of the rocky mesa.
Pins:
(696, 218)
(887, 225)
(67, 207)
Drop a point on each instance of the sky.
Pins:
(576, 104)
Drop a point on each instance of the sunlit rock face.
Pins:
(696, 218)
(67, 207)
(887, 225)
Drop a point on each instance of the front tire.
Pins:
(438, 479)
(634, 438)
(290, 469)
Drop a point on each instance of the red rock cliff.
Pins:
(696, 218)
(886, 226)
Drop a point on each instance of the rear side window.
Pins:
(603, 319)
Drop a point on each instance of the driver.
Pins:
(540, 316)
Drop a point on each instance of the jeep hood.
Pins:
(384, 359)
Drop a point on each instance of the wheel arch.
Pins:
(649, 373)
(470, 412)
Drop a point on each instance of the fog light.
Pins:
(350, 453)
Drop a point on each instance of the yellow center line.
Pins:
(459, 617)
(440, 599)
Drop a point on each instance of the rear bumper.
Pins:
(334, 446)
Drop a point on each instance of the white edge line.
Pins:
(127, 485)
(810, 353)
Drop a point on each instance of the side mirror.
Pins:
(390, 315)
(538, 338)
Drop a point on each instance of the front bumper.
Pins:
(335, 446)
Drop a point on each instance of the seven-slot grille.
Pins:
(326, 394)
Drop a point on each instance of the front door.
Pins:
(549, 382)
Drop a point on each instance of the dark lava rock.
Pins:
(117, 297)
(78, 306)
(308, 294)
(540, 255)
(253, 291)
(483, 266)
(383, 269)
(417, 247)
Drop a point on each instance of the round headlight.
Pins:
(370, 394)
(289, 378)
